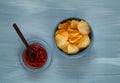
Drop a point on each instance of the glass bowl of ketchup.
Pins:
(42, 57)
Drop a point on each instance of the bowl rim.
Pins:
(49, 55)
(81, 53)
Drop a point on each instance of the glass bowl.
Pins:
(48, 51)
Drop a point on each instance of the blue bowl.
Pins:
(79, 54)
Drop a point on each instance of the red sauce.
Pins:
(40, 57)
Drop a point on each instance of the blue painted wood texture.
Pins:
(38, 18)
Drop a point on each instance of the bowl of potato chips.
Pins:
(73, 37)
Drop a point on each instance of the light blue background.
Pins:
(38, 18)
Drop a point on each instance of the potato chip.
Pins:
(60, 40)
(74, 24)
(65, 47)
(72, 49)
(61, 37)
(59, 31)
(73, 30)
(73, 35)
(83, 27)
(75, 40)
(84, 42)
(64, 25)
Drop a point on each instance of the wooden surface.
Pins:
(38, 18)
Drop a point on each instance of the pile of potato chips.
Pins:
(72, 36)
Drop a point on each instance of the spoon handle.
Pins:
(21, 35)
(31, 52)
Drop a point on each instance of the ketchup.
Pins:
(40, 57)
